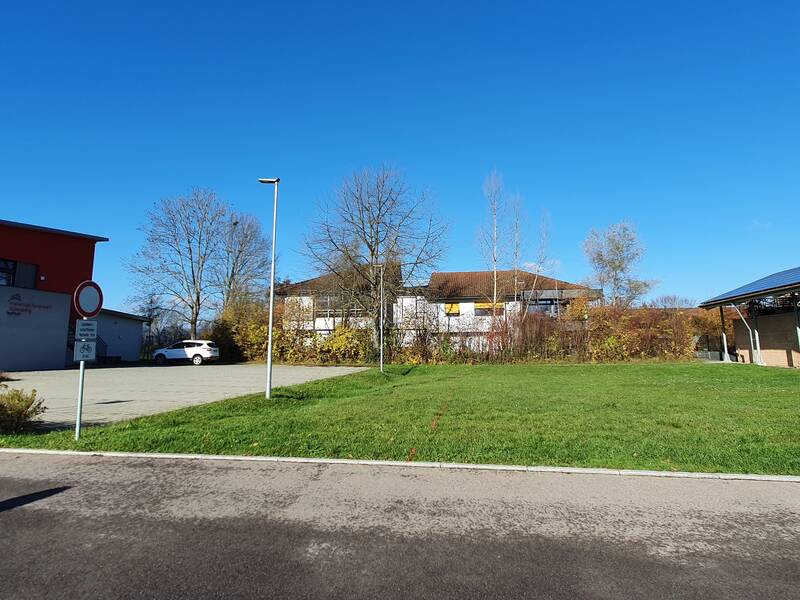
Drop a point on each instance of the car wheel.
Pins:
(161, 360)
(197, 360)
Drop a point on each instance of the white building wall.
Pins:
(410, 313)
(298, 312)
(123, 336)
(33, 329)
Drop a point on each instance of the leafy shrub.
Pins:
(293, 345)
(240, 330)
(222, 332)
(580, 332)
(18, 408)
(647, 332)
(345, 344)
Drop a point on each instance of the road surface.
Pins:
(102, 527)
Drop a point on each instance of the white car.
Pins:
(197, 351)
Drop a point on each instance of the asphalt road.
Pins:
(116, 393)
(100, 527)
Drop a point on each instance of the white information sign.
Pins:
(84, 350)
(85, 329)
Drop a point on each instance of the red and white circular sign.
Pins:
(88, 299)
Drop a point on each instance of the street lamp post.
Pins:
(275, 182)
(380, 337)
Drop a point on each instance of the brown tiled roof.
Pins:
(479, 284)
(321, 284)
(329, 283)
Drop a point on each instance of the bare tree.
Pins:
(542, 264)
(490, 234)
(614, 253)
(516, 240)
(183, 239)
(672, 301)
(198, 255)
(374, 222)
(243, 268)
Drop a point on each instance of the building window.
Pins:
(25, 276)
(18, 274)
(485, 309)
(7, 270)
(326, 306)
(452, 309)
(334, 306)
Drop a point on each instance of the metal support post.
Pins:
(723, 352)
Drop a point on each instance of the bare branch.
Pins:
(375, 219)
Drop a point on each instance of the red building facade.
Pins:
(45, 259)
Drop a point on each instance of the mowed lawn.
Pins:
(666, 416)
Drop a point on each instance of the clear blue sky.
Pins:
(682, 117)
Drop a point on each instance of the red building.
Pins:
(45, 259)
(39, 270)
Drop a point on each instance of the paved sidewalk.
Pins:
(142, 527)
(117, 393)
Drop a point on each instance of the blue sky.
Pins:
(681, 117)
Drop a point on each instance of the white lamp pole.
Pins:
(271, 284)
(380, 335)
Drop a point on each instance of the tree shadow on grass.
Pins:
(289, 396)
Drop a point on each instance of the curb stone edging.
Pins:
(416, 465)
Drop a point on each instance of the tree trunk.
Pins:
(193, 324)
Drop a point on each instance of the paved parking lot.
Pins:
(113, 394)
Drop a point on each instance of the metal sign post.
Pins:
(88, 300)
(80, 392)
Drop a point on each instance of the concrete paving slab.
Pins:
(118, 393)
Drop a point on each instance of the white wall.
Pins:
(123, 336)
(33, 329)
(410, 312)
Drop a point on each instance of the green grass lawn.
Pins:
(685, 416)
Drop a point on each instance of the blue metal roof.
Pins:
(781, 282)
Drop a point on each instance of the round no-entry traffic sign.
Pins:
(88, 299)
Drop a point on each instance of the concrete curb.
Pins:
(418, 465)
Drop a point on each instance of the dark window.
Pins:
(7, 270)
(25, 277)
(211, 345)
(177, 346)
(18, 274)
(484, 309)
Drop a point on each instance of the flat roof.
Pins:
(778, 283)
(95, 238)
(122, 315)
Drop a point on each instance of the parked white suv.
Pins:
(197, 351)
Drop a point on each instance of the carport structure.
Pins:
(772, 314)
